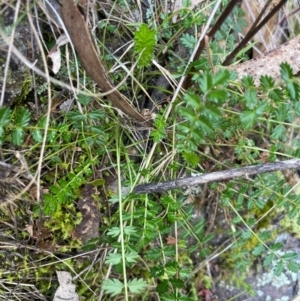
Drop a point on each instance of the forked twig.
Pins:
(257, 26)
(217, 176)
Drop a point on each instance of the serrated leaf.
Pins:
(221, 77)
(136, 286)
(153, 254)
(204, 125)
(276, 95)
(258, 250)
(42, 122)
(265, 235)
(1, 134)
(112, 286)
(114, 231)
(37, 135)
(97, 129)
(207, 238)
(260, 203)
(251, 99)
(188, 113)
(17, 136)
(75, 116)
(162, 286)
(84, 99)
(277, 246)
(279, 268)
(293, 90)
(294, 266)
(168, 297)
(286, 71)
(144, 43)
(191, 158)
(128, 230)
(4, 116)
(217, 95)
(89, 141)
(185, 273)
(269, 259)
(96, 115)
(296, 106)
(267, 82)
(205, 82)
(211, 111)
(157, 271)
(159, 132)
(192, 100)
(261, 108)
(171, 271)
(50, 204)
(22, 117)
(132, 256)
(289, 256)
(250, 204)
(248, 118)
(188, 41)
(184, 128)
(247, 81)
(278, 132)
(157, 135)
(177, 283)
(246, 234)
(113, 258)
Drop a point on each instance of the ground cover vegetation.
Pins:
(158, 246)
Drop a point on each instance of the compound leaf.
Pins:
(136, 286)
(144, 43)
(112, 286)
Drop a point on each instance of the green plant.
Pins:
(158, 244)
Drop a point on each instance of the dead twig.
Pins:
(90, 60)
(217, 176)
(256, 27)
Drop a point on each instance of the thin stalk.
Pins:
(121, 212)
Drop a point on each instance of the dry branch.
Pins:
(90, 60)
(217, 176)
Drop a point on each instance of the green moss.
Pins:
(290, 225)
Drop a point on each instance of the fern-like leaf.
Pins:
(136, 286)
(112, 286)
(22, 118)
(144, 43)
(191, 159)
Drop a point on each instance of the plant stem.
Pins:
(121, 212)
(217, 176)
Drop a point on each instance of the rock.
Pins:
(265, 285)
(18, 78)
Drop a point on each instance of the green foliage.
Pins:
(201, 113)
(4, 120)
(153, 244)
(114, 287)
(188, 41)
(144, 43)
(191, 159)
(159, 131)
